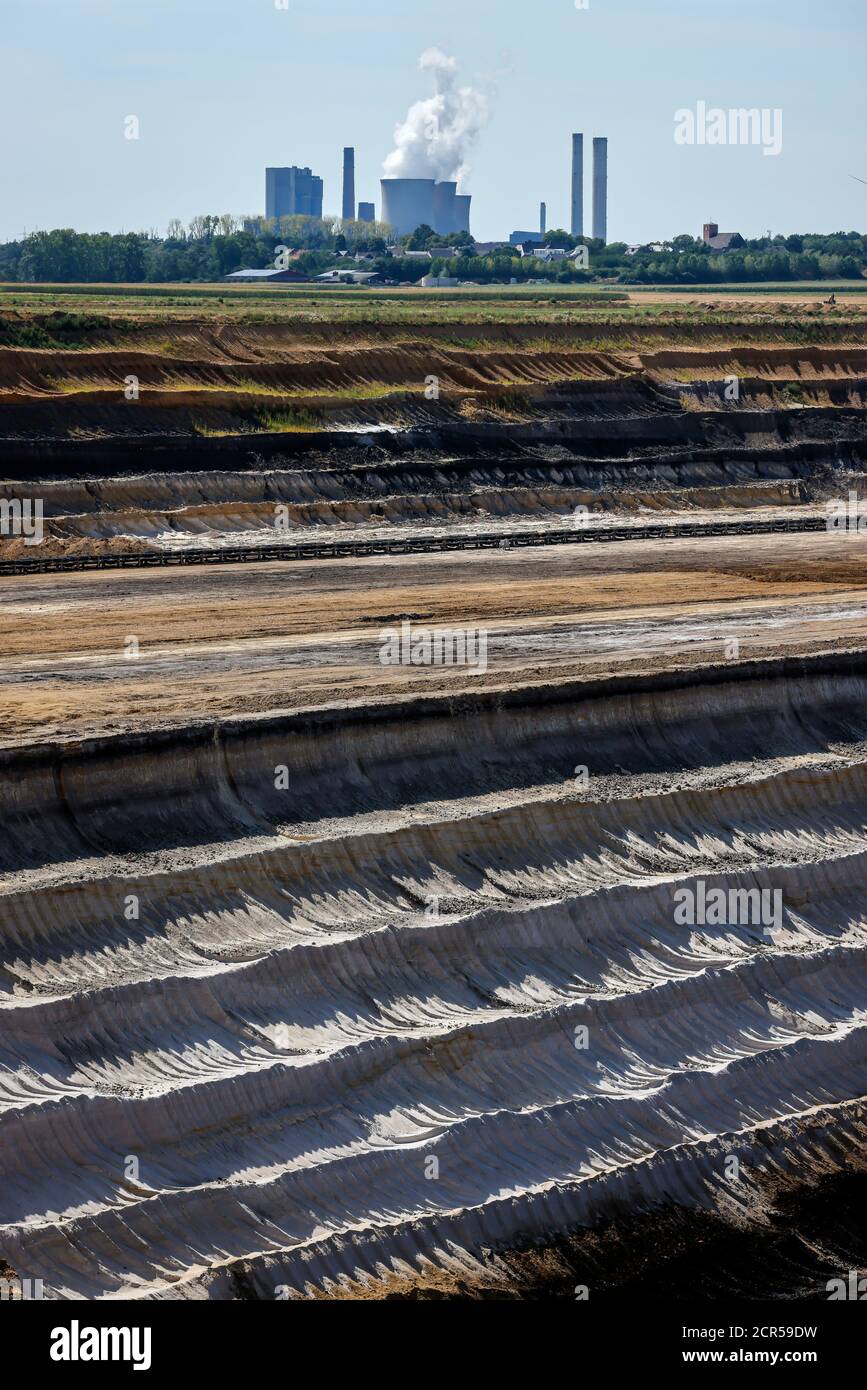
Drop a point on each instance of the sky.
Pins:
(222, 88)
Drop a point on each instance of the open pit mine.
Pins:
(433, 797)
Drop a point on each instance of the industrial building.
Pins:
(348, 277)
(543, 253)
(292, 193)
(524, 238)
(366, 212)
(269, 276)
(411, 203)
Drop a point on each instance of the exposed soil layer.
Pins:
(206, 378)
(388, 957)
(328, 975)
(262, 638)
(235, 431)
(804, 1237)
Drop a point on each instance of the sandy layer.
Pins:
(306, 1011)
(273, 637)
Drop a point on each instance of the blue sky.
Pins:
(224, 87)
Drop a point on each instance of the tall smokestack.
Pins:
(543, 219)
(600, 188)
(349, 185)
(577, 185)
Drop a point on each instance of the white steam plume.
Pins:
(434, 139)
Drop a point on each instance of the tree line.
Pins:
(211, 247)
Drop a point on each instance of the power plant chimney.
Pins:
(543, 219)
(600, 188)
(577, 185)
(349, 184)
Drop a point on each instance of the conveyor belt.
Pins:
(353, 550)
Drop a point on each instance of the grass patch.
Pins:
(55, 330)
(289, 421)
(793, 392)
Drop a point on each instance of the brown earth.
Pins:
(383, 957)
(217, 641)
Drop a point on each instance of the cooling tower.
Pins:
(462, 212)
(407, 204)
(600, 188)
(444, 208)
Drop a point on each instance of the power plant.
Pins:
(292, 193)
(411, 203)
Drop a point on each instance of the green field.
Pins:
(120, 308)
